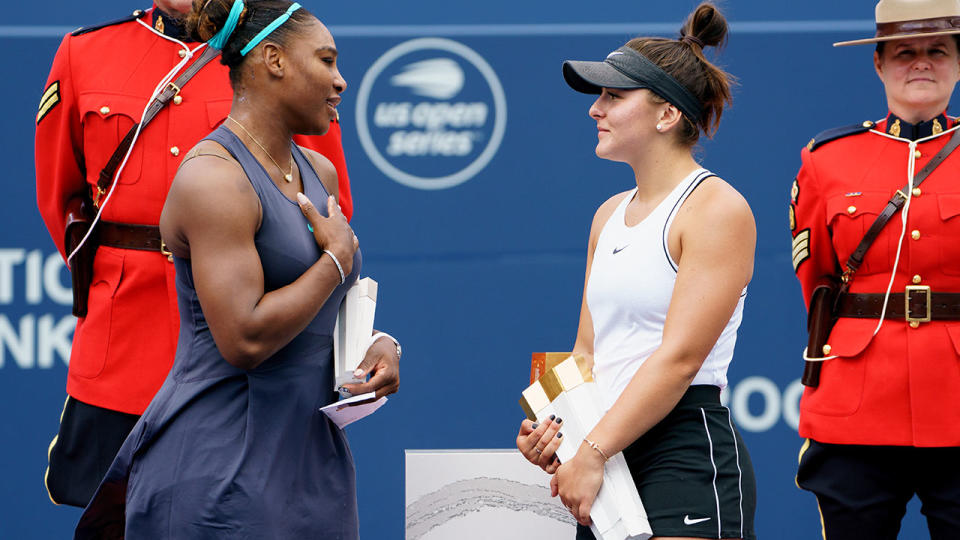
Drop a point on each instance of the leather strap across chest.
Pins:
(893, 206)
(131, 236)
(106, 179)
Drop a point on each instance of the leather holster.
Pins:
(79, 214)
(820, 320)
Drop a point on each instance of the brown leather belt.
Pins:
(916, 304)
(127, 236)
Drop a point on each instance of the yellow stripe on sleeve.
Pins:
(51, 97)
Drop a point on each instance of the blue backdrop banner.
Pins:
(475, 183)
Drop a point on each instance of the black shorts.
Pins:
(83, 450)
(693, 472)
(862, 491)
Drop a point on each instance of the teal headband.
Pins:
(269, 28)
(219, 40)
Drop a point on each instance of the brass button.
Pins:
(137, 12)
(914, 324)
(104, 110)
(851, 209)
(178, 99)
(917, 154)
(867, 124)
(182, 53)
(917, 192)
(826, 349)
(917, 279)
(174, 150)
(915, 234)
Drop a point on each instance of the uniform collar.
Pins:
(168, 25)
(905, 130)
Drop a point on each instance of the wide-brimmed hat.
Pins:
(898, 19)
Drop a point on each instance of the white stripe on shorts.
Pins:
(715, 495)
(739, 470)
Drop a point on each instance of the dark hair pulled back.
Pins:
(683, 59)
(207, 17)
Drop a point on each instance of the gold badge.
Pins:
(793, 219)
(794, 191)
(801, 248)
(159, 24)
(895, 128)
(937, 128)
(51, 96)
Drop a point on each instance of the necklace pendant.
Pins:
(288, 177)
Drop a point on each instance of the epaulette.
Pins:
(836, 133)
(138, 14)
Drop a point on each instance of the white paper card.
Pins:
(344, 413)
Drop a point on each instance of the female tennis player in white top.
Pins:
(667, 269)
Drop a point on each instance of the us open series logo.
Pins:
(431, 113)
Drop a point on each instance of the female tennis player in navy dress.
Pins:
(233, 445)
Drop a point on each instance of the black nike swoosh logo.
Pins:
(618, 250)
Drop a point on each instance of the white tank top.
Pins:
(629, 291)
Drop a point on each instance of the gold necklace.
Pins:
(286, 176)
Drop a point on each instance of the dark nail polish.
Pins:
(535, 425)
(552, 416)
(559, 434)
(559, 420)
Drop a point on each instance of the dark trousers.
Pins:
(79, 456)
(863, 490)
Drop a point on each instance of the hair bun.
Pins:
(206, 18)
(692, 39)
(706, 26)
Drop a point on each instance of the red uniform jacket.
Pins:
(902, 385)
(98, 87)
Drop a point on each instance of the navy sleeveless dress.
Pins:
(223, 452)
